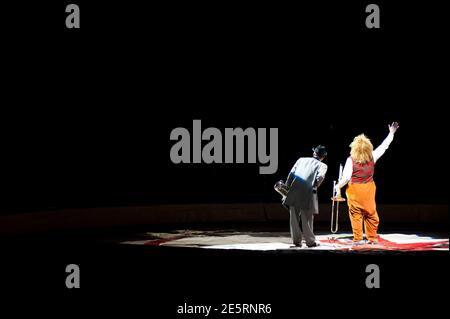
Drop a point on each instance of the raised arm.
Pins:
(379, 151)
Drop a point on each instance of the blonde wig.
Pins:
(361, 149)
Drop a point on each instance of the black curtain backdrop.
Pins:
(85, 121)
(87, 114)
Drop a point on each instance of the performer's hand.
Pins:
(337, 190)
(393, 127)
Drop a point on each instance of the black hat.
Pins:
(320, 151)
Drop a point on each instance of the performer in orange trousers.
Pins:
(358, 173)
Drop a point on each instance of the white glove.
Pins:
(337, 190)
(393, 127)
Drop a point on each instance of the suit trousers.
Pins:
(362, 209)
(307, 220)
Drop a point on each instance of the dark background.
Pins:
(87, 114)
(86, 117)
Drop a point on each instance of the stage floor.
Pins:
(162, 268)
(274, 241)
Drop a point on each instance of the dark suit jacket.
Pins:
(303, 180)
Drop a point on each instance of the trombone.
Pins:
(336, 199)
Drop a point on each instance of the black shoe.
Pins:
(315, 244)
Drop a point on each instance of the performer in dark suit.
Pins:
(303, 180)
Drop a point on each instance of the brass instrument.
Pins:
(281, 188)
(336, 199)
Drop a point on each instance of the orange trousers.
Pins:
(362, 208)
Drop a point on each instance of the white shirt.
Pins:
(377, 153)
